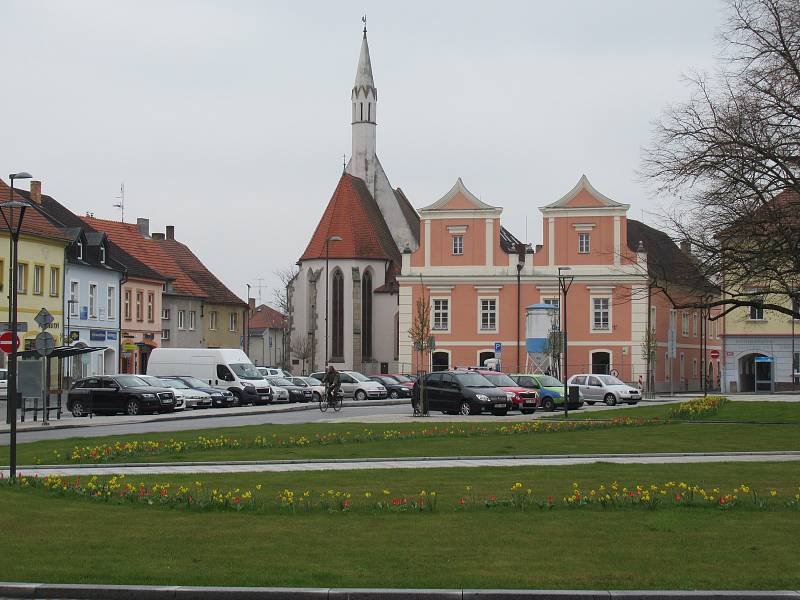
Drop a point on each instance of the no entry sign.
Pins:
(714, 354)
(5, 342)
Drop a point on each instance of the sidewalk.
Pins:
(447, 462)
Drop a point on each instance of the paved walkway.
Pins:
(282, 466)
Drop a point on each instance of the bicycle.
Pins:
(335, 403)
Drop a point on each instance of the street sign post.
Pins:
(44, 318)
(498, 347)
(6, 342)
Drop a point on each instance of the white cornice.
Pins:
(584, 226)
(457, 228)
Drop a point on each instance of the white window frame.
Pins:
(233, 321)
(151, 307)
(75, 307)
(685, 323)
(111, 293)
(38, 282)
(458, 245)
(22, 277)
(584, 243)
(127, 300)
(92, 300)
(594, 329)
(653, 316)
(165, 314)
(496, 300)
(695, 321)
(433, 301)
(139, 305)
(554, 301)
(102, 254)
(165, 334)
(80, 250)
(181, 319)
(192, 320)
(55, 281)
(212, 320)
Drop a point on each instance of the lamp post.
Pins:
(333, 238)
(564, 283)
(14, 223)
(247, 325)
(521, 252)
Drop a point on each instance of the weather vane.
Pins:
(364, 19)
(344, 163)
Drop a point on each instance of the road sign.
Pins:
(498, 347)
(714, 354)
(431, 342)
(44, 318)
(74, 336)
(5, 342)
(44, 343)
(22, 326)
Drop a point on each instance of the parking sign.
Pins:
(498, 347)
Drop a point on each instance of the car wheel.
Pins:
(465, 408)
(361, 395)
(237, 398)
(548, 404)
(500, 413)
(133, 407)
(77, 408)
(610, 399)
(393, 395)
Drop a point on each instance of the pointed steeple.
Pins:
(364, 100)
(364, 82)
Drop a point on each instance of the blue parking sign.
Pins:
(498, 347)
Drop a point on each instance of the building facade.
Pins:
(265, 343)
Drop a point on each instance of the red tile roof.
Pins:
(266, 317)
(353, 215)
(148, 251)
(33, 223)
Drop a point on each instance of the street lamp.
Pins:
(522, 250)
(333, 238)
(13, 212)
(564, 283)
(247, 325)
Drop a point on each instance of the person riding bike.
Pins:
(332, 384)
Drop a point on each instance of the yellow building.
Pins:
(40, 274)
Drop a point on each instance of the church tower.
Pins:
(364, 99)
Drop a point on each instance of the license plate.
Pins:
(501, 405)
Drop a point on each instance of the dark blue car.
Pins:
(219, 398)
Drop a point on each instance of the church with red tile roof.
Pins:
(344, 300)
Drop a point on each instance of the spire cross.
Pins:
(344, 163)
(364, 19)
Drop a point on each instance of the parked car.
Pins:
(550, 390)
(357, 386)
(273, 371)
(3, 383)
(604, 388)
(185, 397)
(317, 389)
(294, 392)
(394, 388)
(406, 380)
(523, 399)
(224, 368)
(219, 398)
(118, 393)
(462, 392)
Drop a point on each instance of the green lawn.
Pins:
(634, 548)
(734, 412)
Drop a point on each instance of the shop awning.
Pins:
(62, 351)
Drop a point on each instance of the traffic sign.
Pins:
(44, 343)
(498, 347)
(44, 318)
(714, 354)
(5, 342)
(22, 326)
(74, 336)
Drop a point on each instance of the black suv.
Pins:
(117, 393)
(462, 392)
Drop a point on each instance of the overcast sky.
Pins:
(229, 119)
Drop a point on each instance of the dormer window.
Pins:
(102, 254)
(80, 250)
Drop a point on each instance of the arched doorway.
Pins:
(484, 356)
(440, 361)
(756, 373)
(601, 362)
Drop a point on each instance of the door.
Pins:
(450, 393)
(224, 376)
(594, 389)
(601, 362)
(433, 391)
(110, 397)
(348, 385)
(483, 357)
(529, 382)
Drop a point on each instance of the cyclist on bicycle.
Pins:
(332, 384)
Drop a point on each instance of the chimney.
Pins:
(158, 236)
(36, 191)
(170, 232)
(686, 247)
(143, 225)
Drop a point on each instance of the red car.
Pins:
(403, 380)
(525, 400)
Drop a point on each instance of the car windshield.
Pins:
(401, 378)
(194, 382)
(388, 380)
(548, 381)
(473, 380)
(280, 381)
(131, 381)
(246, 371)
(313, 381)
(500, 379)
(358, 376)
(176, 383)
(610, 380)
(298, 381)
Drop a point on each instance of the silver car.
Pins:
(604, 388)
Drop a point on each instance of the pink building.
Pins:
(466, 266)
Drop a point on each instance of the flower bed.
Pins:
(518, 497)
(698, 408)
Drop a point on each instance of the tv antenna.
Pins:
(121, 204)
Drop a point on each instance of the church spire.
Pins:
(364, 99)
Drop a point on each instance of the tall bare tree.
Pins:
(282, 299)
(303, 347)
(732, 156)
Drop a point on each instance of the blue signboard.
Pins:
(97, 335)
(764, 359)
(498, 347)
(84, 312)
(111, 335)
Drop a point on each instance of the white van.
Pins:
(224, 368)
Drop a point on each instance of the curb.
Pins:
(146, 592)
(499, 459)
